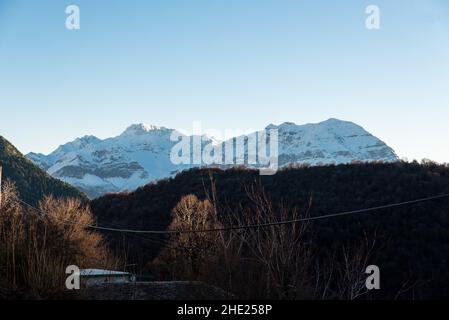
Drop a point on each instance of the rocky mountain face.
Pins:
(141, 154)
(330, 142)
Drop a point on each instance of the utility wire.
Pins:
(262, 225)
(41, 214)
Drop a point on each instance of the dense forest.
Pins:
(31, 182)
(410, 244)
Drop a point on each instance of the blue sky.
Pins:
(229, 64)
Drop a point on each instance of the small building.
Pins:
(92, 277)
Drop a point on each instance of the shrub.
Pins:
(37, 245)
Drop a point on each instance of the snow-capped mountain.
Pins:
(141, 154)
(330, 142)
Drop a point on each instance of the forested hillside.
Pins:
(410, 243)
(32, 183)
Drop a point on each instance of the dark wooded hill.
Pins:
(32, 183)
(412, 242)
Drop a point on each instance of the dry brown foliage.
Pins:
(36, 246)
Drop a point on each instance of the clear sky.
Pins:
(228, 63)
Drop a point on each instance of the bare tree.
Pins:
(189, 253)
(279, 251)
(37, 245)
(342, 275)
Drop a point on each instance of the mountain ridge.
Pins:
(141, 153)
(32, 182)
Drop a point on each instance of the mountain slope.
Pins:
(411, 241)
(141, 154)
(32, 182)
(330, 142)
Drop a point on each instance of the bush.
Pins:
(36, 246)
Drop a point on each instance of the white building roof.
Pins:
(102, 272)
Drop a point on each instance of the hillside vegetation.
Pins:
(36, 248)
(31, 182)
(410, 244)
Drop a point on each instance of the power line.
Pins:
(41, 214)
(279, 222)
(262, 225)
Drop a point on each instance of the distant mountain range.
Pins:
(32, 182)
(141, 154)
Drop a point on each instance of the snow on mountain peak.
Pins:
(141, 154)
(141, 129)
(88, 139)
(330, 122)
